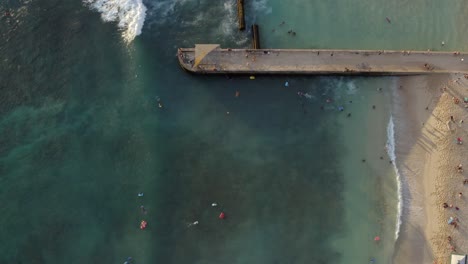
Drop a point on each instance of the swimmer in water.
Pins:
(192, 224)
(158, 100)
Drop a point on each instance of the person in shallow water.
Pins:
(192, 224)
(222, 215)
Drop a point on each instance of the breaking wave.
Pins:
(129, 15)
(392, 155)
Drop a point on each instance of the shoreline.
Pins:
(369, 191)
(425, 151)
(390, 147)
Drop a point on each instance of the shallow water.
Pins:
(82, 134)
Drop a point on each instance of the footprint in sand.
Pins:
(451, 126)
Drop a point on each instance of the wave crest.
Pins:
(129, 15)
(391, 153)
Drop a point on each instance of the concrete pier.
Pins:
(211, 59)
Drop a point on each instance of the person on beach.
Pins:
(460, 195)
(460, 168)
(465, 181)
(453, 248)
(445, 205)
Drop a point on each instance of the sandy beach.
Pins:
(427, 156)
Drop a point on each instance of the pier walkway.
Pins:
(211, 59)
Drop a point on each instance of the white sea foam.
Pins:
(262, 6)
(392, 155)
(351, 88)
(228, 23)
(129, 15)
(165, 9)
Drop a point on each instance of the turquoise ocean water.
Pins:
(82, 133)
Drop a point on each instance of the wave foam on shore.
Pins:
(129, 15)
(391, 153)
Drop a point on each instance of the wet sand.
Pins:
(427, 155)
